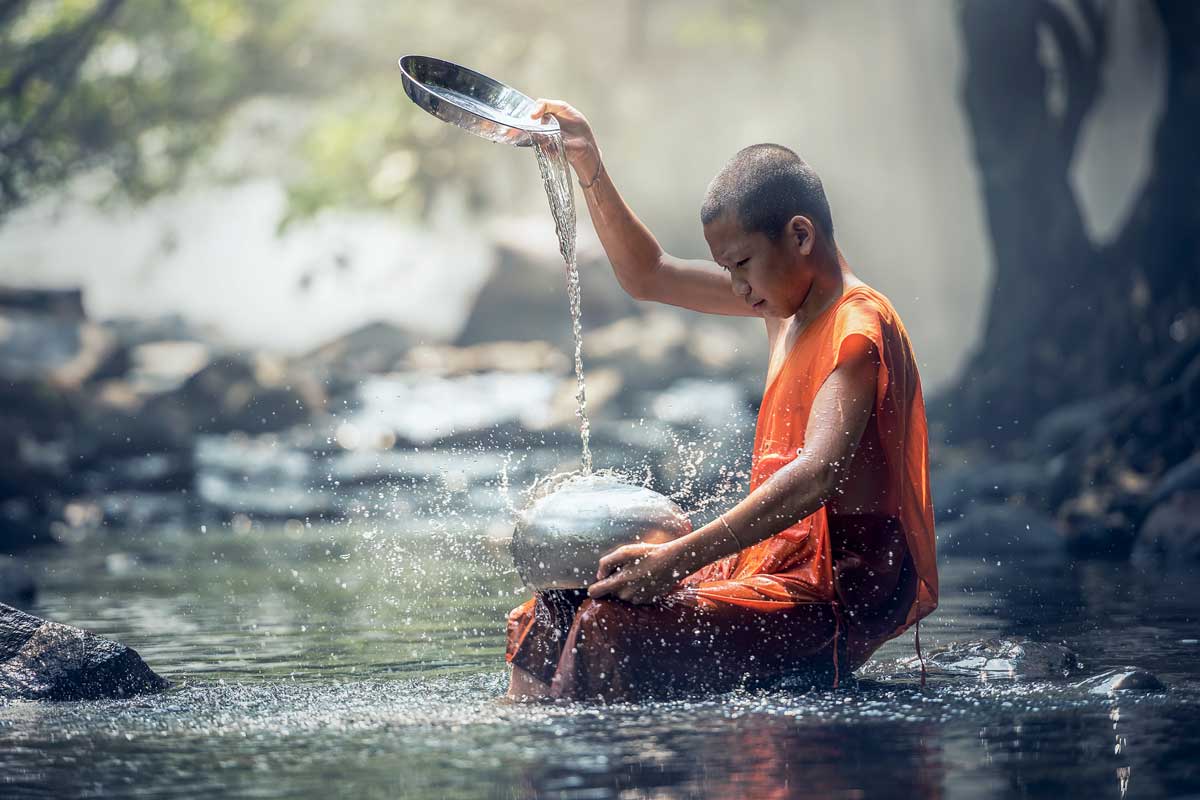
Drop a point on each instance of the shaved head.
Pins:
(766, 185)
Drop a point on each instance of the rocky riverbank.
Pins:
(133, 423)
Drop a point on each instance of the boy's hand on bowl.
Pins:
(582, 151)
(637, 573)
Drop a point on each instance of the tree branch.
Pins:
(65, 75)
(1082, 62)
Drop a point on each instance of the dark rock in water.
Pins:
(1183, 477)
(1065, 427)
(232, 394)
(142, 509)
(64, 303)
(151, 472)
(1123, 679)
(1021, 659)
(377, 347)
(64, 353)
(16, 583)
(23, 525)
(955, 489)
(1008, 532)
(41, 660)
(134, 331)
(1173, 528)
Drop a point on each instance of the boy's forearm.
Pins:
(630, 246)
(793, 493)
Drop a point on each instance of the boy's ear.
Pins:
(800, 228)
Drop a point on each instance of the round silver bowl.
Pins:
(472, 101)
(560, 538)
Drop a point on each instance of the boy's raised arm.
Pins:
(642, 268)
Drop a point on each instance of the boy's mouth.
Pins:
(758, 305)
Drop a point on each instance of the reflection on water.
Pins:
(367, 662)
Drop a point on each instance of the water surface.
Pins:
(367, 662)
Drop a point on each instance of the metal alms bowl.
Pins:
(482, 105)
(559, 539)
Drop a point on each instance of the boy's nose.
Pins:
(740, 287)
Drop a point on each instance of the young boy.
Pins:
(832, 552)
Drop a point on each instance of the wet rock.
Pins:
(650, 351)
(531, 356)
(958, 487)
(1021, 659)
(1123, 679)
(1007, 532)
(62, 352)
(62, 303)
(1066, 427)
(233, 393)
(375, 348)
(1172, 530)
(140, 510)
(704, 403)
(152, 472)
(17, 586)
(163, 366)
(1183, 477)
(526, 295)
(135, 331)
(24, 524)
(41, 660)
(603, 390)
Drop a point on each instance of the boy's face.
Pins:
(772, 277)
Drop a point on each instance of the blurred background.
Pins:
(245, 279)
(280, 354)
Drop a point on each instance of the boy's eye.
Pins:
(743, 261)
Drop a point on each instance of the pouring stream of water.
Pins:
(556, 176)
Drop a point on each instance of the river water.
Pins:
(366, 661)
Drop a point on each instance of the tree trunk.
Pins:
(1066, 319)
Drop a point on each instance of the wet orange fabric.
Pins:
(789, 578)
(796, 564)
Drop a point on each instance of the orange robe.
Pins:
(778, 604)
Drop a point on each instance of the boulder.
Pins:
(526, 295)
(63, 303)
(233, 393)
(1183, 477)
(1007, 532)
(1172, 530)
(24, 524)
(1065, 427)
(65, 353)
(1123, 679)
(374, 348)
(956, 488)
(532, 356)
(990, 659)
(41, 660)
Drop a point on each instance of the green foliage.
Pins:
(139, 92)
(135, 87)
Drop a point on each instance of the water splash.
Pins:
(556, 177)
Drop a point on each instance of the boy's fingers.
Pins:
(549, 107)
(611, 562)
(605, 587)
